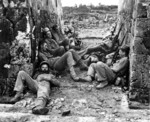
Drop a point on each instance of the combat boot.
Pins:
(17, 97)
(40, 107)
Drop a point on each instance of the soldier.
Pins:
(52, 45)
(105, 74)
(39, 84)
(58, 64)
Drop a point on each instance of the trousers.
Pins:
(101, 72)
(69, 59)
(41, 88)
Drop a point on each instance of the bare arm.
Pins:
(46, 77)
(42, 56)
(120, 65)
(55, 43)
(110, 55)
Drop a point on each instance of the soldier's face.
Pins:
(44, 46)
(49, 35)
(44, 68)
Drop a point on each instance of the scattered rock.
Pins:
(82, 103)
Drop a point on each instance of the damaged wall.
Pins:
(21, 23)
(134, 16)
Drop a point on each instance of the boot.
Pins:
(82, 65)
(40, 108)
(102, 85)
(73, 74)
(16, 98)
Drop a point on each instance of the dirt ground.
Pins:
(82, 102)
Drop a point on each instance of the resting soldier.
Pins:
(59, 64)
(52, 45)
(40, 84)
(105, 74)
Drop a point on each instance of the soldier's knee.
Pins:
(62, 48)
(68, 53)
(21, 73)
(93, 65)
(99, 64)
(71, 50)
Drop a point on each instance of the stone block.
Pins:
(146, 42)
(139, 95)
(140, 12)
(139, 47)
(138, 59)
(142, 23)
(142, 27)
(139, 79)
(139, 71)
(141, 33)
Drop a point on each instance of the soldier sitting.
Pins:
(105, 74)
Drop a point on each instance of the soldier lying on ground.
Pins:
(40, 84)
(103, 47)
(109, 45)
(105, 74)
(58, 64)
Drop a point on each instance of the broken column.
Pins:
(138, 10)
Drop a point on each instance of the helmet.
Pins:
(44, 62)
(46, 29)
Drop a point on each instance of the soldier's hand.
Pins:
(39, 78)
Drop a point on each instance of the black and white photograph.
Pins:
(74, 60)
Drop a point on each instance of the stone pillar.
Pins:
(139, 95)
(135, 15)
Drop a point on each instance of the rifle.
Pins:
(117, 51)
(112, 33)
(115, 40)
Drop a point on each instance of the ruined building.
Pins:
(134, 16)
(21, 23)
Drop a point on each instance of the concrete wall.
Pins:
(134, 15)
